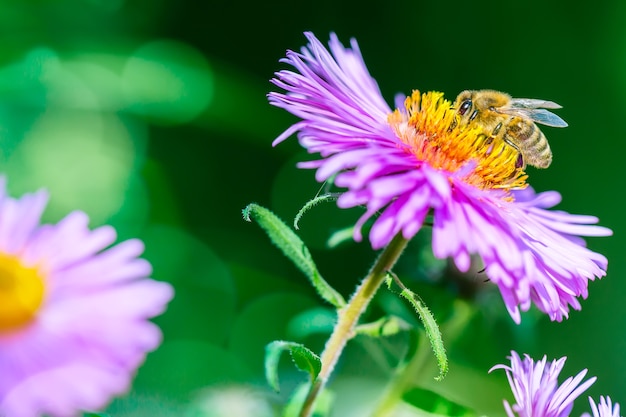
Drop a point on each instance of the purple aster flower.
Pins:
(73, 311)
(604, 408)
(536, 390)
(404, 164)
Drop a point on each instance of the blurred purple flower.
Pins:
(604, 408)
(404, 164)
(73, 311)
(536, 390)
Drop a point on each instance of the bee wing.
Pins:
(535, 110)
(545, 117)
(531, 103)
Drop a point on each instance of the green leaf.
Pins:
(385, 326)
(314, 321)
(428, 320)
(340, 236)
(432, 330)
(322, 405)
(294, 248)
(302, 357)
(312, 203)
(435, 404)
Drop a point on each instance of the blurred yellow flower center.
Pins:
(431, 129)
(21, 293)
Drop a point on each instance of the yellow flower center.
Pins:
(431, 128)
(21, 293)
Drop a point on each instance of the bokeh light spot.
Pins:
(167, 81)
(85, 160)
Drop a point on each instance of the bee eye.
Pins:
(465, 106)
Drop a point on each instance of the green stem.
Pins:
(405, 375)
(404, 378)
(348, 317)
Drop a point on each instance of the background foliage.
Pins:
(152, 116)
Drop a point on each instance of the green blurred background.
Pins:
(152, 116)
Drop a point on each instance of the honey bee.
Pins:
(513, 121)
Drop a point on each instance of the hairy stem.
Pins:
(348, 317)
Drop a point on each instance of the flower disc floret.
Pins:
(429, 126)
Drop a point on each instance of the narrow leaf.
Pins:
(432, 330)
(428, 320)
(312, 203)
(385, 326)
(435, 404)
(302, 357)
(340, 236)
(313, 321)
(294, 248)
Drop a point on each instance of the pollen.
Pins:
(431, 130)
(21, 293)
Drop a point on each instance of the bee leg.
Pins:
(511, 144)
(519, 163)
(489, 141)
